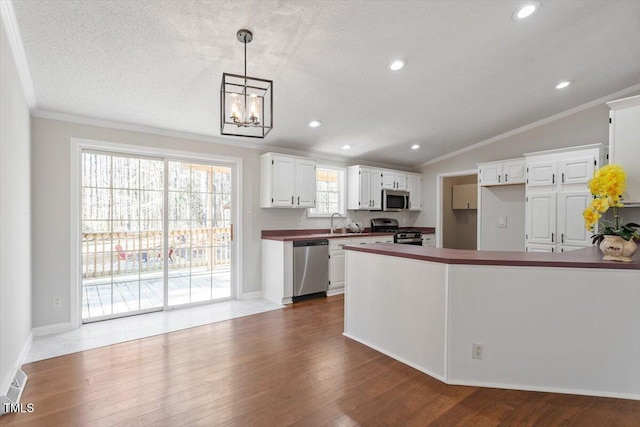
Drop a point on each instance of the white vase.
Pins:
(615, 248)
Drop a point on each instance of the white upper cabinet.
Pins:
(376, 189)
(395, 180)
(514, 171)
(542, 173)
(504, 172)
(281, 172)
(556, 195)
(577, 170)
(287, 181)
(624, 143)
(306, 182)
(415, 191)
(364, 188)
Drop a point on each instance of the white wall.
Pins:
(15, 218)
(51, 207)
(502, 201)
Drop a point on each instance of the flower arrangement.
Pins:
(607, 186)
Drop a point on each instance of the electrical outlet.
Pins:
(502, 222)
(299, 221)
(57, 302)
(250, 278)
(477, 351)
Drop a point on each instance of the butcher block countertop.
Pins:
(589, 257)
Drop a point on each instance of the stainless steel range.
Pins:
(390, 225)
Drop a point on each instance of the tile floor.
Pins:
(109, 332)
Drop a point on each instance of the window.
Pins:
(330, 191)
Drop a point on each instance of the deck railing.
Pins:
(120, 253)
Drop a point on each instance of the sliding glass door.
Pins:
(199, 211)
(135, 258)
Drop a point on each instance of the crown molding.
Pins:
(17, 48)
(533, 125)
(233, 142)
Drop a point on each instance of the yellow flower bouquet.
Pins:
(607, 186)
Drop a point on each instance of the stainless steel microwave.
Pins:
(395, 200)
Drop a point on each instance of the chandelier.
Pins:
(246, 103)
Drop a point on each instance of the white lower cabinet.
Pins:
(337, 258)
(336, 269)
(429, 240)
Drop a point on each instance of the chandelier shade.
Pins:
(246, 103)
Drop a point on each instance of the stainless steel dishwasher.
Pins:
(310, 268)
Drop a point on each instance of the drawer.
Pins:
(337, 243)
(382, 239)
(361, 240)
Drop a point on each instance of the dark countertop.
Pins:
(590, 257)
(323, 233)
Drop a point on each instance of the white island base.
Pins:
(565, 330)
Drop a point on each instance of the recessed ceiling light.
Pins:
(346, 147)
(415, 146)
(314, 123)
(398, 64)
(526, 10)
(564, 84)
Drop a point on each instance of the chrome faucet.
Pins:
(332, 215)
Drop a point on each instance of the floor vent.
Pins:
(11, 402)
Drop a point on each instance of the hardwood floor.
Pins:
(283, 367)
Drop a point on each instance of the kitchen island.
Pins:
(562, 322)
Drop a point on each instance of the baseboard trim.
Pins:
(560, 390)
(332, 292)
(398, 358)
(4, 387)
(251, 295)
(53, 329)
(471, 383)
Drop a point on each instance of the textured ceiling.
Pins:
(473, 72)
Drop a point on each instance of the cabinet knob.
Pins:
(506, 178)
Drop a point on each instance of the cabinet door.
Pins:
(540, 223)
(577, 170)
(388, 179)
(542, 173)
(336, 269)
(570, 221)
(376, 189)
(429, 240)
(514, 172)
(401, 181)
(415, 192)
(624, 140)
(282, 181)
(490, 174)
(306, 183)
(465, 196)
(365, 188)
